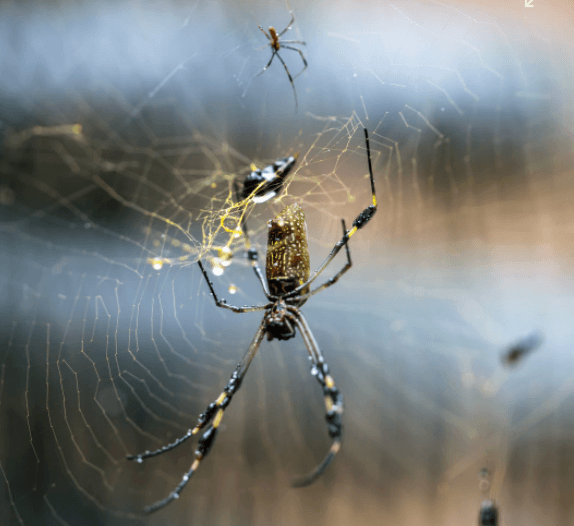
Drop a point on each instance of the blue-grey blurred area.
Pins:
(122, 128)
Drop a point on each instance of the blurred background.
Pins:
(122, 128)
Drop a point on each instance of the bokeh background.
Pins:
(123, 126)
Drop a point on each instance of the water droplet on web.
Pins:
(139, 460)
(156, 263)
(232, 289)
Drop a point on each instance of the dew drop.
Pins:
(156, 263)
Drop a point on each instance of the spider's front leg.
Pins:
(212, 415)
(333, 416)
(332, 395)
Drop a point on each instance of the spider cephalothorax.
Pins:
(277, 322)
(287, 288)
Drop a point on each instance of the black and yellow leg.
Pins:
(213, 416)
(332, 395)
(360, 221)
(203, 448)
(333, 416)
(337, 276)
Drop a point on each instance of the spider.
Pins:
(288, 286)
(276, 44)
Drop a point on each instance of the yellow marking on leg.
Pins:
(220, 398)
(195, 464)
(352, 231)
(335, 447)
(329, 382)
(328, 403)
(218, 417)
(374, 201)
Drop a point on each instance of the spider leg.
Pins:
(161, 450)
(290, 80)
(302, 58)
(332, 395)
(336, 277)
(265, 33)
(288, 25)
(222, 303)
(292, 42)
(213, 414)
(268, 64)
(252, 253)
(360, 221)
(253, 256)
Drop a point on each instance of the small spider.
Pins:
(288, 286)
(276, 44)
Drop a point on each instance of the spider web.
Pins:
(123, 129)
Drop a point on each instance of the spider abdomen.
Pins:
(274, 38)
(287, 264)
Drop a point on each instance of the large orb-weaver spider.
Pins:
(287, 288)
(276, 44)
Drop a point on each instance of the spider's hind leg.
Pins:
(302, 57)
(268, 64)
